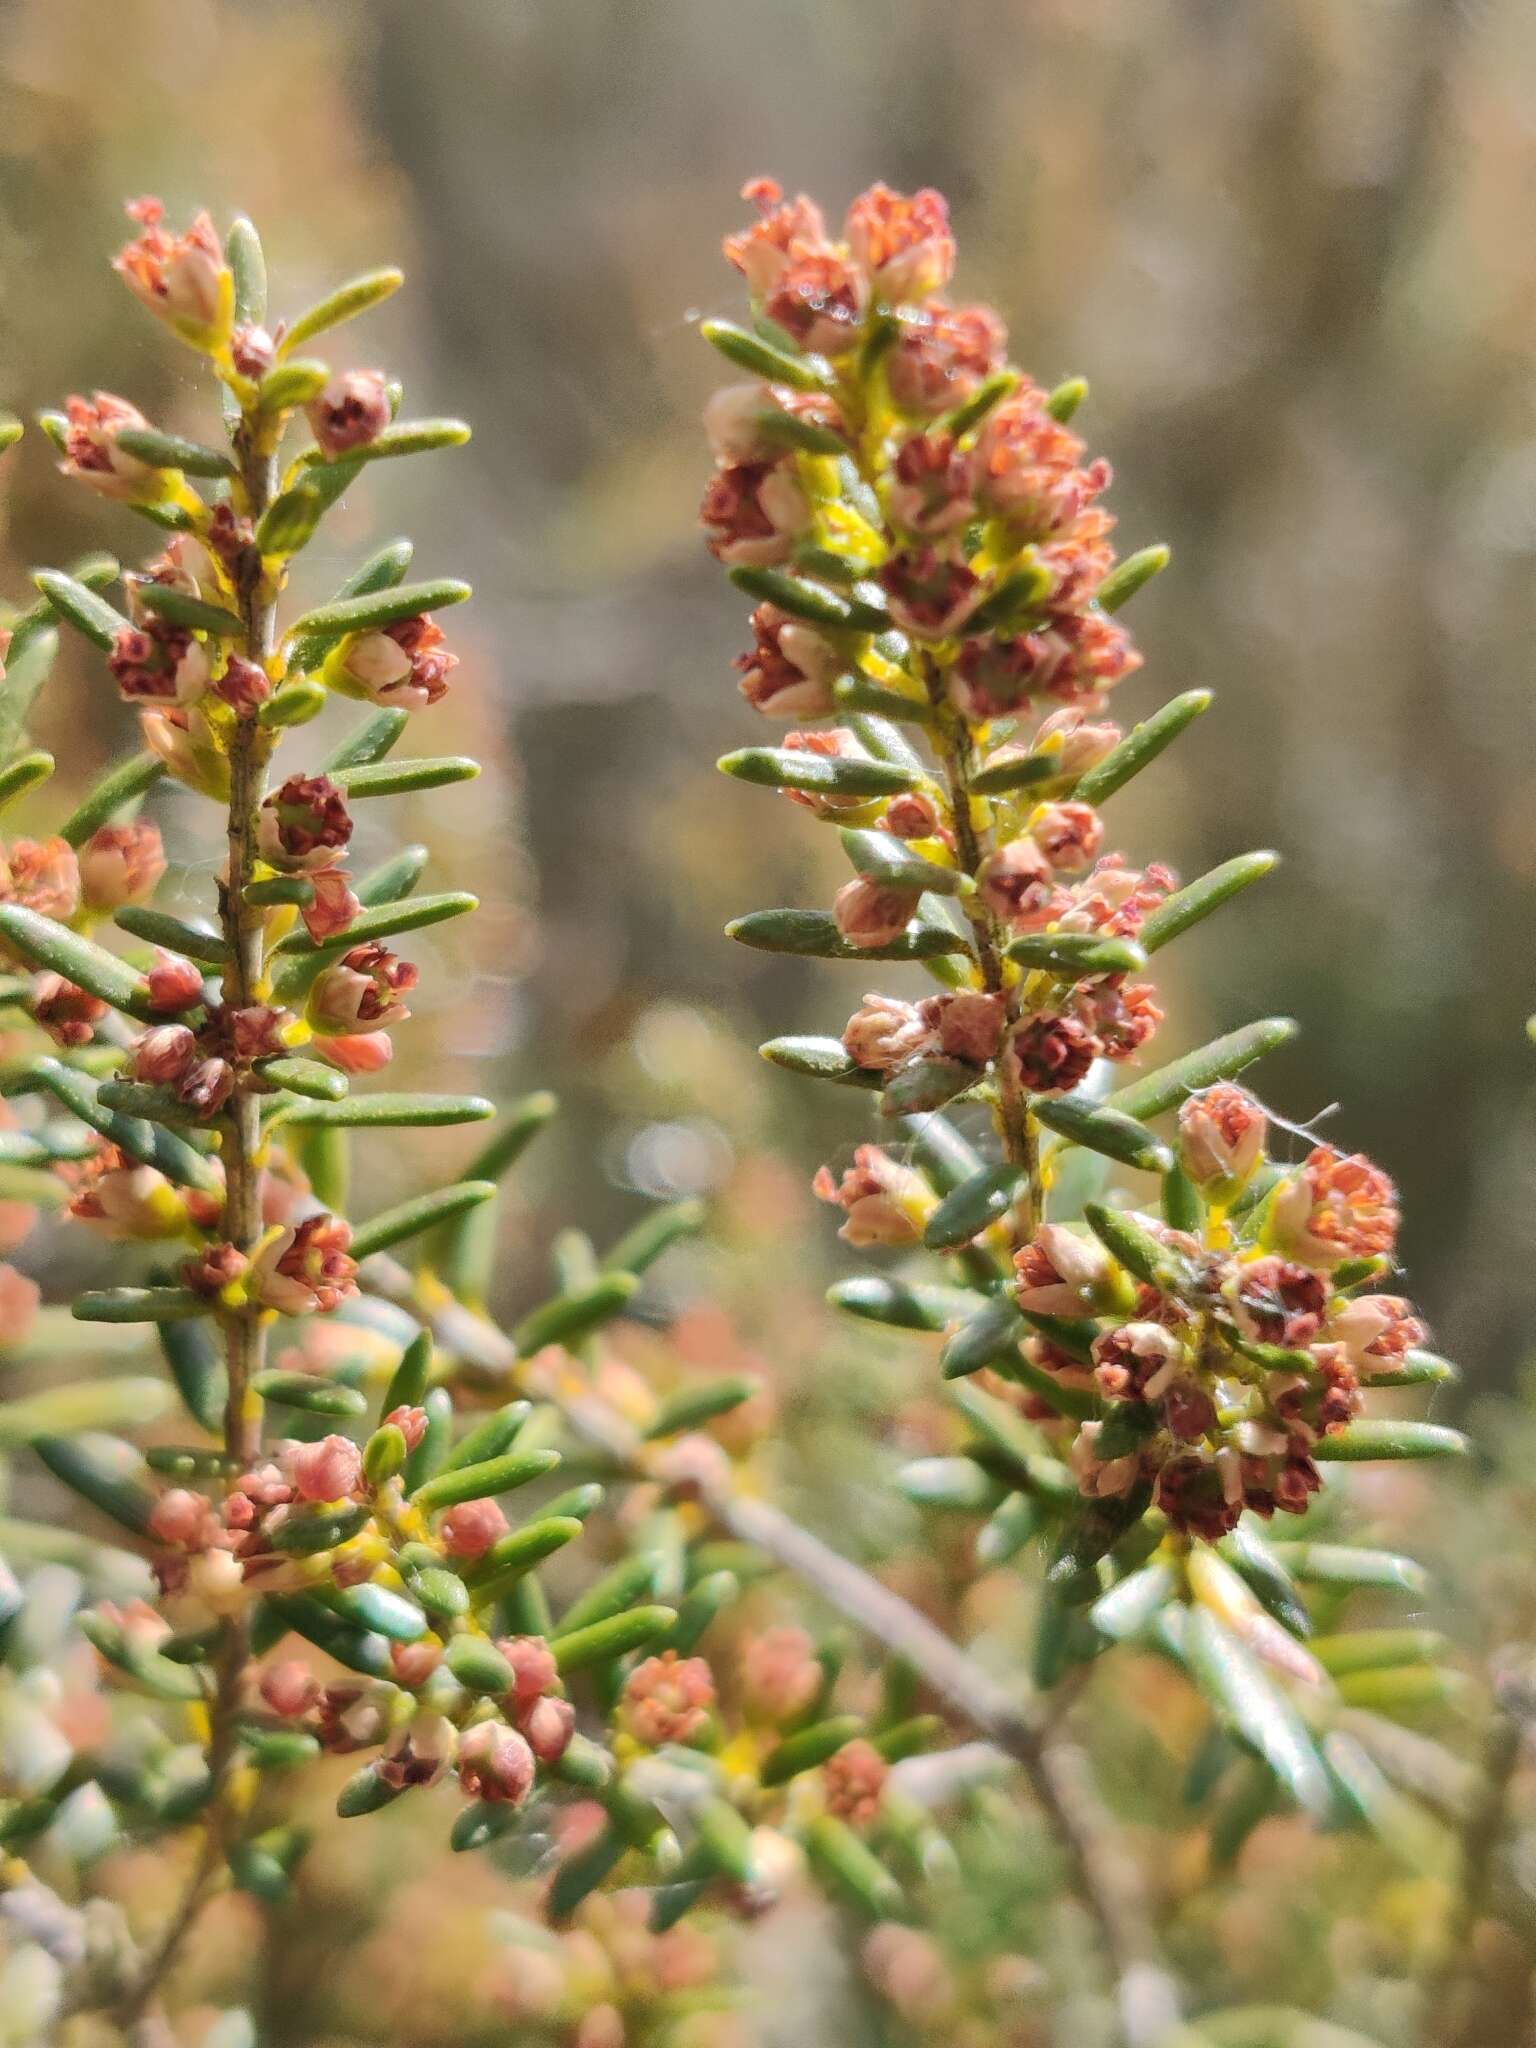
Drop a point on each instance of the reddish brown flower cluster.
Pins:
(1218, 1382)
(668, 1699)
(404, 665)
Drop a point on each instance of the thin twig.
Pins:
(1106, 1879)
(1450, 1994)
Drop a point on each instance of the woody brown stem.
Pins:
(244, 1329)
(245, 1336)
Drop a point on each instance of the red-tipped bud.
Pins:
(350, 411)
(470, 1528)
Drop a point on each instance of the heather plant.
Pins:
(332, 1568)
(309, 1431)
(1159, 1344)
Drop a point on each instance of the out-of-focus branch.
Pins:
(1106, 1879)
(1449, 2017)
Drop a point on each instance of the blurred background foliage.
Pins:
(1287, 241)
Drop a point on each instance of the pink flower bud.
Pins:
(215, 1267)
(182, 279)
(1050, 1054)
(470, 1528)
(930, 489)
(911, 815)
(1277, 1301)
(334, 905)
(289, 1687)
(121, 864)
(1376, 1331)
(883, 1033)
(1016, 883)
(1025, 467)
(331, 1469)
(350, 411)
(1059, 1272)
(206, 1086)
(364, 989)
(304, 1269)
(885, 1203)
(41, 875)
(791, 670)
(179, 1516)
(1221, 1138)
(667, 1699)
(904, 244)
(164, 1053)
(360, 1052)
(970, 1025)
(853, 1781)
(411, 1423)
(244, 684)
(252, 350)
(174, 984)
(1101, 1478)
(780, 1673)
(304, 826)
(783, 230)
(754, 512)
(495, 1764)
(68, 1014)
(414, 1663)
(158, 663)
(533, 1665)
(404, 665)
(91, 453)
(1077, 745)
(1335, 1208)
(930, 593)
(548, 1726)
(126, 1202)
(1068, 834)
(940, 358)
(872, 913)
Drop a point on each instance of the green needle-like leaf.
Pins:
(379, 608)
(47, 944)
(1104, 1130)
(407, 1219)
(831, 774)
(1390, 1437)
(1141, 747)
(615, 1637)
(388, 1112)
(1198, 899)
(1219, 1061)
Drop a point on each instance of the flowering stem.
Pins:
(249, 748)
(1106, 1880)
(1016, 1127)
(244, 1329)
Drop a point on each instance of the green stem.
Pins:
(1016, 1127)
